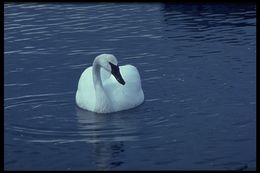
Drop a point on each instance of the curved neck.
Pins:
(96, 76)
(102, 100)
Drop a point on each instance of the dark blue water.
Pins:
(197, 63)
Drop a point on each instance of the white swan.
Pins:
(99, 91)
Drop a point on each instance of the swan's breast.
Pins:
(85, 96)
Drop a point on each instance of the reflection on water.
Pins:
(108, 133)
(108, 154)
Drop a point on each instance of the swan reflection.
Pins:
(107, 134)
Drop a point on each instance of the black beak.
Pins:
(115, 71)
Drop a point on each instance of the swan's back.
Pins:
(125, 96)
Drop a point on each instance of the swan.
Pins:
(99, 91)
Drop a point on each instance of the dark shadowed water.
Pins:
(197, 63)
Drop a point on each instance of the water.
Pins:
(198, 68)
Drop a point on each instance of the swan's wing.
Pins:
(85, 96)
(131, 76)
(128, 95)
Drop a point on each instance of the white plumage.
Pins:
(99, 91)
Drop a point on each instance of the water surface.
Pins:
(198, 71)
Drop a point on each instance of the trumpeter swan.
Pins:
(99, 91)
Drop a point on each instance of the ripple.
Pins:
(79, 66)
(17, 84)
(36, 100)
(92, 134)
(22, 39)
(37, 95)
(12, 52)
(14, 13)
(152, 78)
(152, 100)
(242, 124)
(151, 70)
(159, 122)
(10, 162)
(34, 29)
(134, 57)
(21, 20)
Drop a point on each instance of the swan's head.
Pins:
(110, 64)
